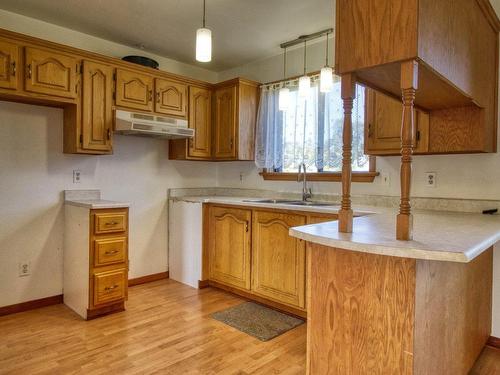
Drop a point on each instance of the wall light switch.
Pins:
(77, 176)
(431, 179)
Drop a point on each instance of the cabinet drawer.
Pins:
(109, 251)
(107, 222)
(110, 286)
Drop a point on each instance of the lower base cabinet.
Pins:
(250, 250)
(95, 260)
(278, 260)
(229, 244)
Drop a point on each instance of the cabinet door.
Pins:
(9, 56)
(200, 115)
(229, 246)
(278, 260)
(97, 112)
(171, 98)
(50, 73)
(134, 90)
(225, 123)
(383, 120)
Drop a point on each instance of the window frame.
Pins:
(357, 176)
(364, 176)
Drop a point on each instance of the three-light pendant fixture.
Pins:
(325, 77)
(203, 41)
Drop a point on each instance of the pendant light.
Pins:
(204, 41)
(305, 80)
(284, 93)
(326, 75)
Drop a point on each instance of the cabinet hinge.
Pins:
(114, 95)
(81, 68)
(114, 76)
(418, 135)
(81, 139)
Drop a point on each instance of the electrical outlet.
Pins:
(241, 177)
(386, 179)
(77, 176)
(431, 179)
(24, 269)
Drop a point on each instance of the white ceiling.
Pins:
(242, 30)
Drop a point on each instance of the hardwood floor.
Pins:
(488, 363)
(165, 330)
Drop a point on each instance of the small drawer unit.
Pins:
(95, 259)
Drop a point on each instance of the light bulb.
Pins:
(284, 98)
(326, 79)
(304, 86)
(203, 45)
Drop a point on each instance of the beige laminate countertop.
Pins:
(441, 236)
(252, 202)
(94, 204)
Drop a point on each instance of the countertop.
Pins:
(96, 203)
(252, 202)
(442, 236)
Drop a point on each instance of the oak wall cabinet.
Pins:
(171, 98)
(235, 114)
(97, 106)
(248, 251)
(134, 90)
(9, 65)
(95, 260)
(383, 126)
(51, 73)
(225, 131)
(200, 119)
(455, 45)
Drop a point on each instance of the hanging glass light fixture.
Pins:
(326, 74)
(204, 42)
(305, 80)
(284, 93)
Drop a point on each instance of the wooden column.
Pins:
(348, 92)
(409, 85)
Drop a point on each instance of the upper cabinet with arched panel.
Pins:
(134, 90)
(171, 97)
(50, 73)
(9, 60)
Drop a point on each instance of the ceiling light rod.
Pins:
(305, 38)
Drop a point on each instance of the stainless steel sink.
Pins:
(291, 202)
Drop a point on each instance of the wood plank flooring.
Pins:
(165, 330)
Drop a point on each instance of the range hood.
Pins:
(144, 125)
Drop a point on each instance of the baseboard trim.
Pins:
(148, 278)
(31, 305)
(494, 342)
(202, 284)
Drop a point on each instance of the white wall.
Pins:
(34, 172)
(458, 176)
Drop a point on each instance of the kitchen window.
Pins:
(310, 132)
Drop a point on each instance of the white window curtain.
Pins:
(309, 131)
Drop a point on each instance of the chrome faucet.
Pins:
(306, 193)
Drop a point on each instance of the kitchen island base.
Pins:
(377, 314)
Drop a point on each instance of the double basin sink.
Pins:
(291, 202)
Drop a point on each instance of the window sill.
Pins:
(325, 176)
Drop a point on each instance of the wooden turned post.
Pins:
(348, 92)
(409, 85)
